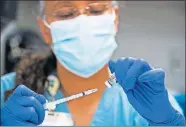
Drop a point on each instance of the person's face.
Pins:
(64, 10)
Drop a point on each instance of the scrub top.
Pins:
(114, 108)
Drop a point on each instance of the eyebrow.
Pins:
(63, 3)
(60, 4)
(96, 1)
(101, 1)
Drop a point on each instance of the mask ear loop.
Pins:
(114, 17)
(45, 22)
(114, 5)
(47, 25)
(114, 14)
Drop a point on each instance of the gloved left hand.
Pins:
(145, 89)
(23, 108)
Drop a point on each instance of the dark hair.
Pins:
(33, 68)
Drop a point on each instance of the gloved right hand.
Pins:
(23, 108)
(146, 91)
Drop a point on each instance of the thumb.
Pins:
(112, 65)
(22, 90)
(154, 79)
(40, 98)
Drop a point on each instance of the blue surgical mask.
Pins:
(85, 44)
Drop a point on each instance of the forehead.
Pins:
(79, 4)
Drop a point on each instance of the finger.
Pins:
(33, 102)
(29, 114)
(135, 103)
(154, 79)
(122, 67)
(21, 123)
(137, 68)
(142, 94)
(119, 71)
(111, 65)
(22, 90)
(28, 124)
(40, 98)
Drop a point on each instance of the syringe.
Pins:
(111, 81)
(52, 105)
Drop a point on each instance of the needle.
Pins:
(52, 105)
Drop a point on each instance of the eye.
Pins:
(65, 13)
(97, 8)
(96, 12)
(64, 16)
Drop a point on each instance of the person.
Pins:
(81, 35)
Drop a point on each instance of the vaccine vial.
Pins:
(111, 81)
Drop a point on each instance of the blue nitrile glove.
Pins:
(23, 108)
(145, 89)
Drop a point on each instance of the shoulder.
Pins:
(7, 80)
(7, 83)
(12, 74)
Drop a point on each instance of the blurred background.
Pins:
(152, 30)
